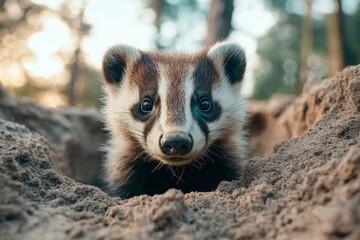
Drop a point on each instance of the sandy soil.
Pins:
(75, 134)
(305, 187)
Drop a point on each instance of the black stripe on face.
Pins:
(144, 75)
(198, 118)
(204, 78)
(153, 118)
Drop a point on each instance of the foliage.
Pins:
(179, 22)
(352, 43)
(279, 53)
(19, 20)
(280, 50)
(180, 25)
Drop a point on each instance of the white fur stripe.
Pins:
(163, 92)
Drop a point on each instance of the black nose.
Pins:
(176, 143)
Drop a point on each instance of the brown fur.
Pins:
(136, 164)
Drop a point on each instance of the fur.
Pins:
(174, 84)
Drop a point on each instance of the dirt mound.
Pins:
(75, 134)
(307, 188)
(284, 117)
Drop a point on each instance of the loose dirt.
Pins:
(303, 183)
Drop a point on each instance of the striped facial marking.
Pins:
(175, 99)
(180, 90)
(144, 75)
(174, 127)
(179, 103)
(204, 109)
(173, 69)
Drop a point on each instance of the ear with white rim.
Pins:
(115, 62)
(229, 58)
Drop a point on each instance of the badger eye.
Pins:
(146, 105)
(204, 104)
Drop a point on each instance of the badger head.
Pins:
(173, 107)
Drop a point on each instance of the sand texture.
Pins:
(303, 183)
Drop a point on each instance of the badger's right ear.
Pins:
(115, 62)
(229, 58)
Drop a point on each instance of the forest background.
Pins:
(51, 51)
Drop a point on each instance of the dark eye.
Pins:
(146, 105)
(204, 104)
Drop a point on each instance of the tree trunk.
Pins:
(219, 20)
(157, 6)
(2, 3)
(75, 66)
(335, 40)
(74, 74)
(306, 45)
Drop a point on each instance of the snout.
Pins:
(176, 143)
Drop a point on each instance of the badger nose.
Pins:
(176, 143)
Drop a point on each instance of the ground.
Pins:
(303, 181)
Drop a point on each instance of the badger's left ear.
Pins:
(229, 58)
(117, 60)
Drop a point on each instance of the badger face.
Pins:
(173, 107)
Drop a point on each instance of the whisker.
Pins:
(190, 164)
(174, 174)
(138, 156)
(127, 112)
(158, 167)
(182, 173)
(207, 157)
(197, 163)
(235, 105)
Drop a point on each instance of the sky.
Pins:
(129, 22)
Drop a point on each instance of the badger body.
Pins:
(176, 120)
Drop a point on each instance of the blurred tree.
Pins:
(279, 52)
(351, 25)
(80, 29)
(19, 19)
(335, 39)
(219, 20)
(321, 45)
(178, 22)
(306, 47)
(157, 6)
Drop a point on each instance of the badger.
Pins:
(176, 120)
